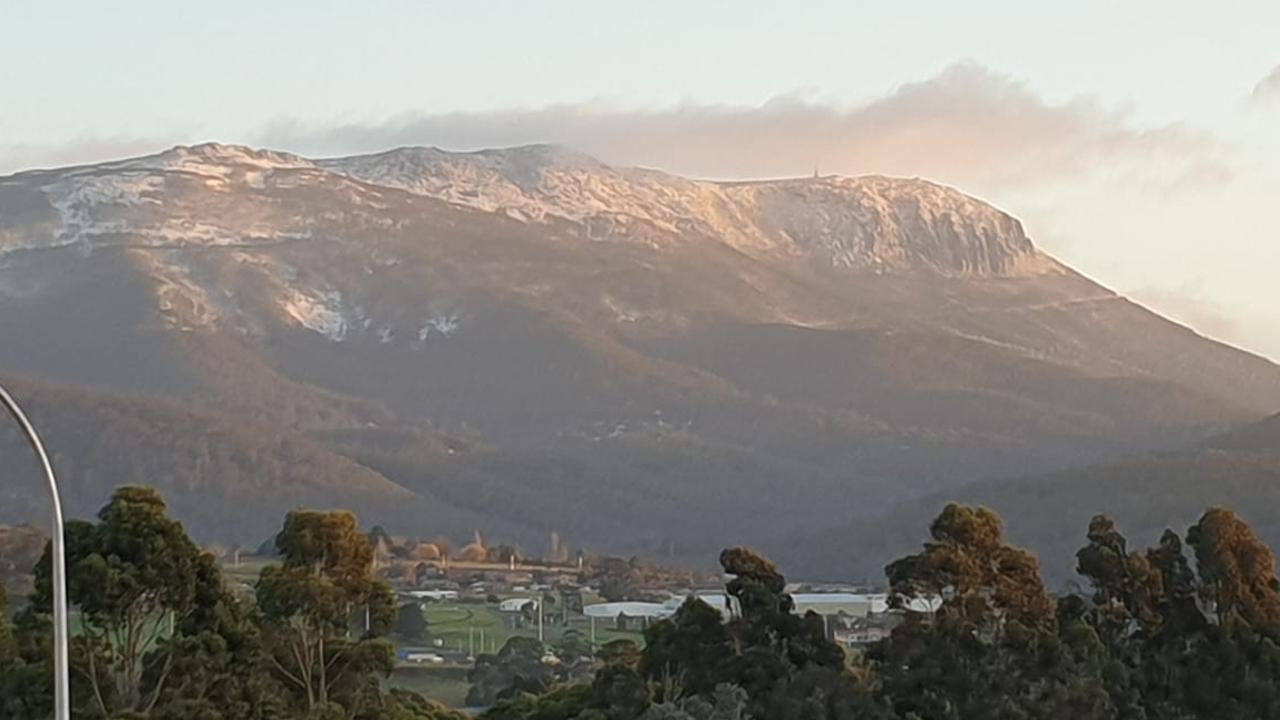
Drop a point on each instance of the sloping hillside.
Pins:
(1050, 513)
(230, 479)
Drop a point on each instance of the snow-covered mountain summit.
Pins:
(215, 158)
(871, 223)
(875, 223)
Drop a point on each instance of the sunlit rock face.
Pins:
(873, 222)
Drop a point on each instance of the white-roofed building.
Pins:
(827, 604)
(515, 605)
(614, 610)
(437, 595)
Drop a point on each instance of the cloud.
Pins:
(80, 151)
(1267, 91)
(966, 125)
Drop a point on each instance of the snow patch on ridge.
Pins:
(89, 205)
(215, 160)
(184, 304)
(108, 202)
(319, 311)
(443, 325)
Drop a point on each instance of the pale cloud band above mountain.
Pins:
(965, 125)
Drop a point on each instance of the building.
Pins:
(726, 604)
(615, 610)
(824, 604)
(833, 604)
(424, 658)
(434, 595)
(515, 605)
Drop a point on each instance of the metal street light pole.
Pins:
(61, 678)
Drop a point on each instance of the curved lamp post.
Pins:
(61, 681)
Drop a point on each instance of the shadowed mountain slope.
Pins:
(1049, 514)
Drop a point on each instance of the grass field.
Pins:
(482, 628)
(475, 627)
(468, 628)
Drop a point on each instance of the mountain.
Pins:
(218, 470)
(1050, 514)
(529, 339)
(874, 223)
(1259, 437)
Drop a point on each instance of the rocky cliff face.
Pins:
(871, 223)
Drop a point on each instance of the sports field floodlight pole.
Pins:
(61, 679)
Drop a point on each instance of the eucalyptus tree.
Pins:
(139, 585)
(324, 613)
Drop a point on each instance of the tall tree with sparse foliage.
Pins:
(313, 607)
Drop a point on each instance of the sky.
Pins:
(1138, 141)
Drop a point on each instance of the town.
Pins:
(457, 605)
